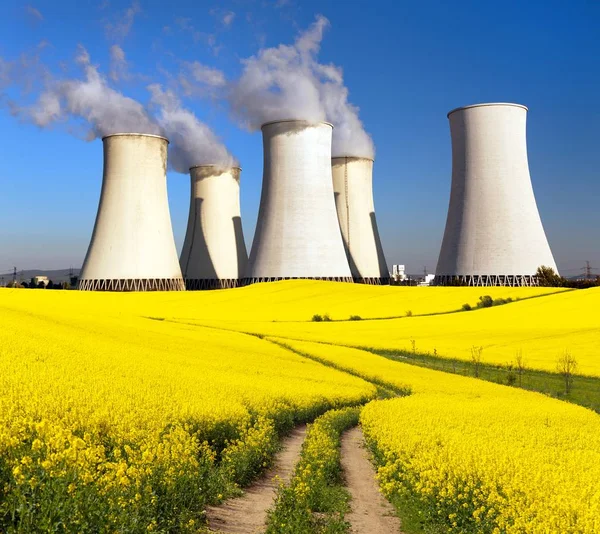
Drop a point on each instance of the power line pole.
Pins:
(588, 270)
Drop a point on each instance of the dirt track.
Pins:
(247, 514)
(370, 512)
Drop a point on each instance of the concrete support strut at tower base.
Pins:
(132, 246)
(487, 280)
(153, 284)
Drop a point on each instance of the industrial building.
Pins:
(297, 233)
(214, 253)
(132, 246)
(353, 190)
(494, 235)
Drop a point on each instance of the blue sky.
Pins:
(406, 64)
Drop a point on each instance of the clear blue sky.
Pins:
(406, 65)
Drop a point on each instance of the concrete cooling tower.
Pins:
(353, 190)
(132, 246)
(494, 235)
(214, 253)
(297, 233)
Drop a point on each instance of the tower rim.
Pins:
(224, 167)
(346, 156)
(485, 104)
(307, 121)
(131, 134)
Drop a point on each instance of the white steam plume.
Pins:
(118, 64)
(280, 83)
(192, 142)
(105, 110)
(288, 82)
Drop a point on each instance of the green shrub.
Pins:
(317, 318)
(355, 318)
(466, 307)
(315, 500)
(485, 302)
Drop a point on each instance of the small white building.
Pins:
(399, 273)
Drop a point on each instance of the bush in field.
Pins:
(485, 302)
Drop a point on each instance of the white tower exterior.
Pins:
(297, 233)
(494, 234)
(353, 190)
(132, 246)
(214, 253)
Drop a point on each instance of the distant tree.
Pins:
(520, 365)
(567, 367)
(548, 277)
(485, 302)
(476, 359)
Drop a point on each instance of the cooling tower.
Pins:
(297, 234)
(132, 246)
(214, 253)
(353, 190)
(494, 234)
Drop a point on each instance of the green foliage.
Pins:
(409, 313)
(466, 307)
(547, 277)
(315, 500)
(485, 302)
(355, 318)
(316, 318)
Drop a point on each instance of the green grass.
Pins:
(585, 390)
(315, 500)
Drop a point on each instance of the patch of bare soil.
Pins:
(370, 512)
(248, 514)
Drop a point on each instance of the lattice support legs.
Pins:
(207, 284)
(487, 280)
(248, 281)
(132, 284)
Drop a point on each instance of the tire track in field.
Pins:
(248, 514)
(369, 512)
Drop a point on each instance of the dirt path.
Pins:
(370, 512)
(247, 514)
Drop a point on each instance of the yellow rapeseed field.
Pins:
(122, 419)
(541, 328)
(294, 300)
(480, 457)
(133, 411)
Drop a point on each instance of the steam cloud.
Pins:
(104, 109)
(107, 111)
(192, 142)
(288, 82)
